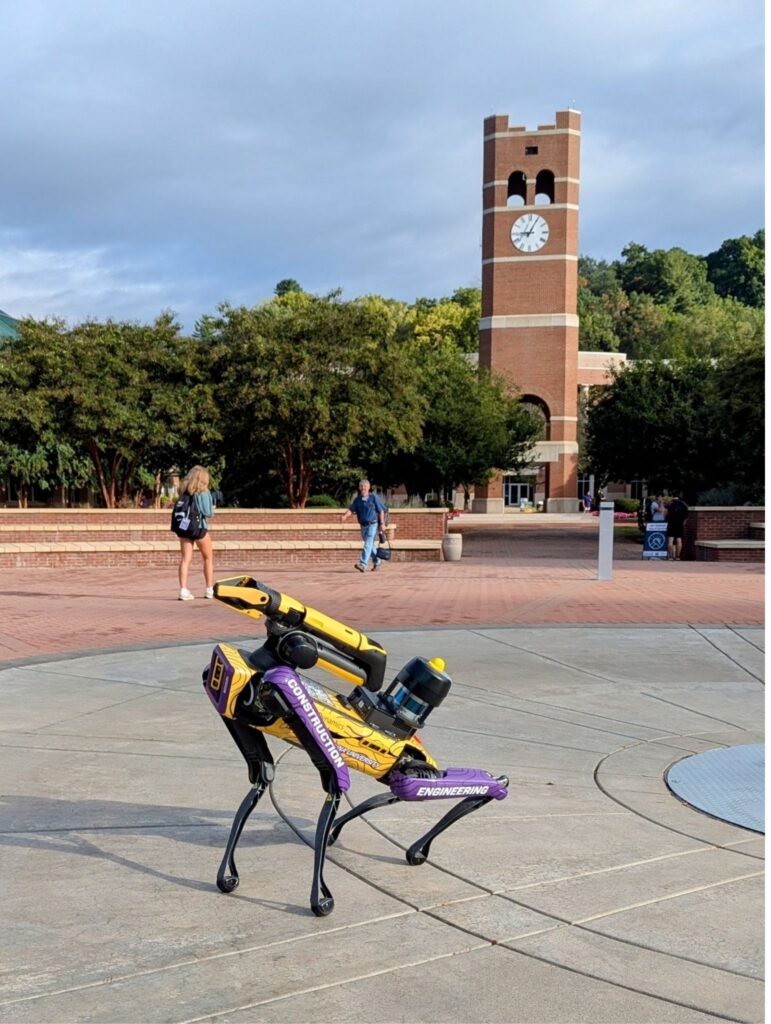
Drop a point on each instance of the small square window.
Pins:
(531, 150)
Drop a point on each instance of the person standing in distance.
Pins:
(197, 483)
(677, 513)
(370, 513)
(658, 509)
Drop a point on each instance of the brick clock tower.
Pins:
(529, 327)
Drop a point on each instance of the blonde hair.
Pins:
(196, 481)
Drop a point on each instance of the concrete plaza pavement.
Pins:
(590, 894)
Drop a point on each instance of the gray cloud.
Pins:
(186, 153)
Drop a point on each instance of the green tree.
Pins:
(455, 319)
(598, 276)
(33, 450)
(126, 395)
(712, 329)
(737, 400)
(471, 426)
(737, 269)
(599, 319)
(656, 422)
(307, 378)
(672, 277)
(286, 285)
(156, 410)
(645, 329)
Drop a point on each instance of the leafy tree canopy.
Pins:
(456, 319)
(123, 395)
(738, 269)
(472, 425)
(286, 285)
(689, 424)
(672, 277)
(307, 378)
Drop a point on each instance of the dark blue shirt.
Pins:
(366, 509)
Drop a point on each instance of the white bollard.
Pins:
(605, 552)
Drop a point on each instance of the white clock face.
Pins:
(530, 232)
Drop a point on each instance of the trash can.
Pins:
(452, 547)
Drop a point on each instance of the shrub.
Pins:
(630, 505)
(322, 501)
(728, 495)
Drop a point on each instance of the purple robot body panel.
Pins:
(455, 782)
(290, 685)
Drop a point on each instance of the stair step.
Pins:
(85, 533)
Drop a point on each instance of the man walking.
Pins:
(677, 513)
(370, 512)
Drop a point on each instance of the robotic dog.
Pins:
(372, 732)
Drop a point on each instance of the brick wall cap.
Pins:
(737, 544)
(49, 509)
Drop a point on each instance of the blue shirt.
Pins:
(366, 509)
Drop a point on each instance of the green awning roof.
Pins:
(9, 327)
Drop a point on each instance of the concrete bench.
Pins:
(733, 550)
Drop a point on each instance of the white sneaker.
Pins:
(185, 595)
(209, 593)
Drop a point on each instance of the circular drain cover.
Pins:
(726, 783)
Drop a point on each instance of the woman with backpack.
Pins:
(190, 521)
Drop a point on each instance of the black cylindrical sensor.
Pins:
(420, 687)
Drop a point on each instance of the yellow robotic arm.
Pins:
(338, 648)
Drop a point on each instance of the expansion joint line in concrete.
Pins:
(693, 711)
(646, 817)
(560, 922)
(727, 655)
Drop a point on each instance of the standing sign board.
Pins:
(655, 542)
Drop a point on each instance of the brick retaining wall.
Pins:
(413, 523)
(245, 561)
(730, 555)
(719, 523)
(53, 537)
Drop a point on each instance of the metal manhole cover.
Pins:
(726, 783)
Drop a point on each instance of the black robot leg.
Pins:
(323, 904)
(418, 852)
(261, 771)
(379, 800)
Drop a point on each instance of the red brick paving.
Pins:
(524, 575)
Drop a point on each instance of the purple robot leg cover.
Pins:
(454, 782)
(290, 685)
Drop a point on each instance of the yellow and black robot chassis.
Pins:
(261, 692)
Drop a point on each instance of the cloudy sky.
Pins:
(178, 153)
